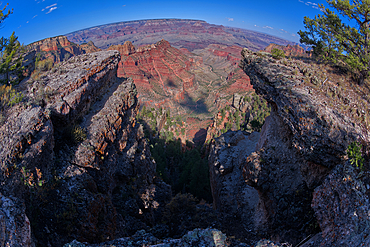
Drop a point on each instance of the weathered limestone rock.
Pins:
(196, 238)
(305, 139)
(27, 142)
(342, 209)
(15, 229)
(284, 211)
(77, 158)
(319, 132)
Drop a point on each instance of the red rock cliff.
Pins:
(59, 48)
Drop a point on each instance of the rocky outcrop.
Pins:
(158, 67)
(301, 154)
(284, 211)
(53, 44)
(59, 48)
(77, 158)
(320, 132)
(231, 195)
(126, 49)
(341, 207)
(89, 47)
(15, 229)
(198, 237)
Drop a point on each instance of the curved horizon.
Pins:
(36, 20)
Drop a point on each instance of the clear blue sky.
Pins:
(34, 20)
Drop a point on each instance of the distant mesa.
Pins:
(180, 33)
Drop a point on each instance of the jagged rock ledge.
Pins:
(320, 132)
(305, 182)
(76, 159)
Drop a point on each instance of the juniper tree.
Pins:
(344, 44)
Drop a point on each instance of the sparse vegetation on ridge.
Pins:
(252, 119)
(332, 40)
(11, 57)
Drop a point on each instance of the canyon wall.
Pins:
(58, 48)
(192, 86)
(75, 157)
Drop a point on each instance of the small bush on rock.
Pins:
(78, 134)
(277, 53)
(355, 155)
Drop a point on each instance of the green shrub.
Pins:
(29, 179)
(355, 155)
(223, 113)
(277, 53)
(9, 96)
(44, 65)
(78, 134)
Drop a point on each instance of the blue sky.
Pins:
(33, 20)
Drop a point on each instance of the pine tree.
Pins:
(4, 16)
(11, 58)
(11, 54)
(347, 45)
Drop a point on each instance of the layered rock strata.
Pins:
(181, 33)
(187, 84)
(59, 48)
